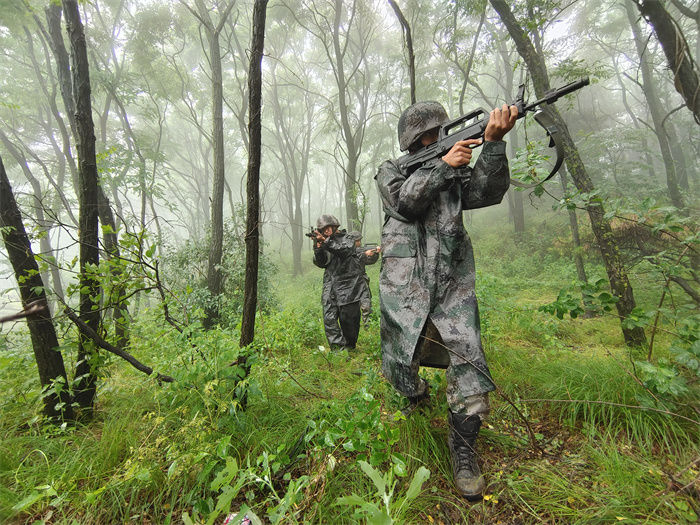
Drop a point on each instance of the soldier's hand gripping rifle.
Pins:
(473, 125)
(312, 233)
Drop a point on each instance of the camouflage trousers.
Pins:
(342, 323)
(459, 403)
(366, 302)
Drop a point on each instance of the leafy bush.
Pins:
(185, 272)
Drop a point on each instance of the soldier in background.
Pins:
(426, 284)
(343, 282)
(365, 257)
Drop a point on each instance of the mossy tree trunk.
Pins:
(617, 274)
(86, 384)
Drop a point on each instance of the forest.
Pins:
(163, 358)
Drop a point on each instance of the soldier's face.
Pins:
(329, 230)
(357, 243)
(427, 138)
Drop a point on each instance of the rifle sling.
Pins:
(546, 121)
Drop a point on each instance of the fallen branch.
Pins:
(91, 334)
(286, 370)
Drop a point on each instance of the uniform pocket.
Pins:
(396, 271)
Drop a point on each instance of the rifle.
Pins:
(311, 233)
(473, 125)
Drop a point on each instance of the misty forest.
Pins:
(163, 357)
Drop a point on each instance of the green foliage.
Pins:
(213, 379)
(385, 509)
(529, 165)
(260, 478)
(361, 430)
(328, 445)
(591, 296)
(185, 270)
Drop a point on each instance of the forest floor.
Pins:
(322, 440)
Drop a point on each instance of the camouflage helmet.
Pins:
(355, 235)
(326, 220)
(419, 118)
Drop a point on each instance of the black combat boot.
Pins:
(461, 439)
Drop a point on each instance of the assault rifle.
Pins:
(473, 125)
(312, 233)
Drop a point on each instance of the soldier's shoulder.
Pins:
(388, 168)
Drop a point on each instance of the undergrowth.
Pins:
(321, 439)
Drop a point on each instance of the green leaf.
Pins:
(419, 478)
(352, 499)
(374, 475)
(399, 466)
(27, 502)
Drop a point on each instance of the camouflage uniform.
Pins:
(366, 297)
(343, 285)
(428, 272)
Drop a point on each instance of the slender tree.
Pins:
(406, 29)
(252, 235)
(52, 372)
(86, 386)
(104, 210)
(651, 93)
(214, 274)
(294, 116)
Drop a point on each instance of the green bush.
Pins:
(185, 271)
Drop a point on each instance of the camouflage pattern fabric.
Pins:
(428, 269)
(343, 285)
(366, 296)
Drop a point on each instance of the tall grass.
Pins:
(151, 452)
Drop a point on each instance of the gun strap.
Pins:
(546, 121)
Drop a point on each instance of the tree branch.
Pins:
(91, 334)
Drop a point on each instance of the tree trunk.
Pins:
(409, 47)
(120, 313)
(657, 113)
(675, 46)
(617, 274)
(350, 179)
(31, 287)
(53, 23)
(214, 274)
(252, 238)
(86, 385)
(516, 197)
(577, 251)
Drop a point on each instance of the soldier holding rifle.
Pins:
(343, 282)
(426, 284)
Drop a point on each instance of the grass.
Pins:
(151, 452)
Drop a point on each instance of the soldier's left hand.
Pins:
(501, 121)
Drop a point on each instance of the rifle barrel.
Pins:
(555, 94)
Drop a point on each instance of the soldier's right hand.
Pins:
(461, 153)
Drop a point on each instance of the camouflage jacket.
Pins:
(428, 264)
(343, 279)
